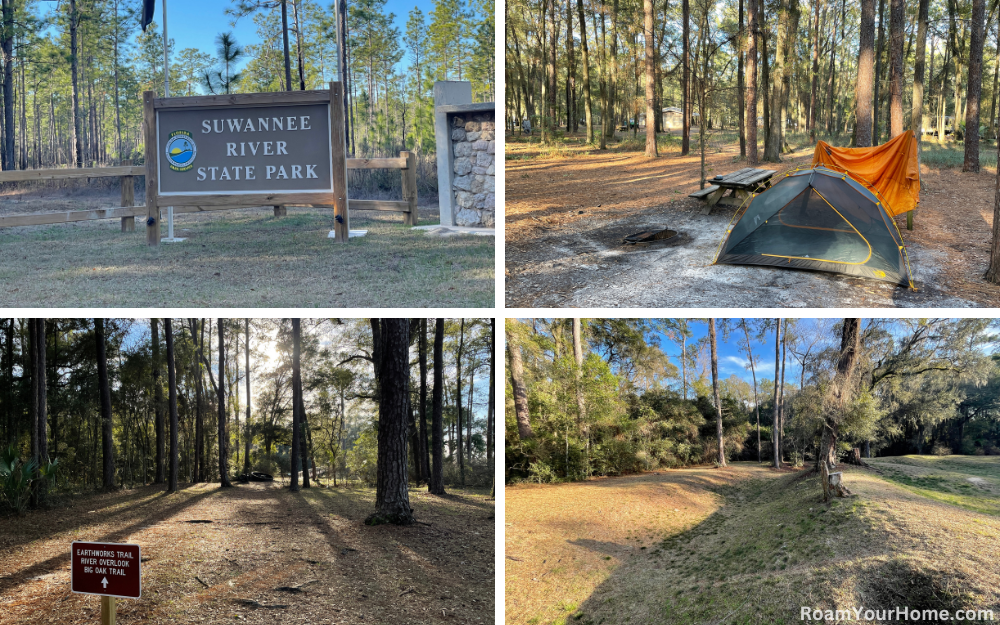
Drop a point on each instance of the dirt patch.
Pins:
(566, 214)
(563, 541)
(269, 556)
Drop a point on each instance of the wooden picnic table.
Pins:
(741, 183)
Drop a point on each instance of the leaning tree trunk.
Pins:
(841, 391)
(866, 72)
(517, 383)
(392, 500)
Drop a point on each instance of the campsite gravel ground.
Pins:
(566, 215)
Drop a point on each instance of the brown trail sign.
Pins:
(109, 569)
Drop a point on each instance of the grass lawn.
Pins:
(745, 545)
(246, 259)
(259, 554)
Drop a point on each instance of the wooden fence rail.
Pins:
(406, 163)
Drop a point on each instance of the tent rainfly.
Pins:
(822, 220)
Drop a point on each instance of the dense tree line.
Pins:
(73, 77)
(601, 396)
(814, 65)
(118, 403)
(759, 67)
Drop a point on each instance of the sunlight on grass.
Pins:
(971, 482)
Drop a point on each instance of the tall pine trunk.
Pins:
(248, 432)
(296, 414)
(458, 399)
(650, 78)
(436, 485)
(917, 115)
(686, 77)
(975, 86)
(753, 35)
(425, 469)
(223, 434)
(157, 402)
(776, 425)
(741, 84)
(392, 369)
(104, 388)
(897, 32)
(587, 110)
(172, 385)
(715, 390)
(772, 148)
(865, 79)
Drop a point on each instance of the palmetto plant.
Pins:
(17, 477)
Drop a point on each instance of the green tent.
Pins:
(822, 220)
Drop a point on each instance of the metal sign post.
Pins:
(111, 570)
(166, 93)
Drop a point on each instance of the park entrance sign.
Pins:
(245, 150)
(108, 569)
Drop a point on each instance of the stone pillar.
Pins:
(447, 93)
(474, 149)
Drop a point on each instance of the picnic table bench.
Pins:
(742, 183)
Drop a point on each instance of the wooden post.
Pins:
(410, 186)
(338, 140)
(108, 610)
(909, 220)
(152, 166)
(280, 211)
(128, 198)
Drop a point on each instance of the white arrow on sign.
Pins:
(104, 582)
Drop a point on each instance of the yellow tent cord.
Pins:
(841, 262)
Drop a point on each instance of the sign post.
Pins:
(111, 570)
(246, 150)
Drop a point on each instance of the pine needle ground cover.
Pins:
(265, 556)
(568, 207)
(743, 545)
(244, 259)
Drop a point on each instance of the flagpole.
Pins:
(166, 93)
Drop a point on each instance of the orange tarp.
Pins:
(890, 169)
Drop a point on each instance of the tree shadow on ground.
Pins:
(47, 566)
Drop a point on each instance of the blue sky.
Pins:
(196, 23)
(733, 359)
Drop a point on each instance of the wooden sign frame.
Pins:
(338, 199)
